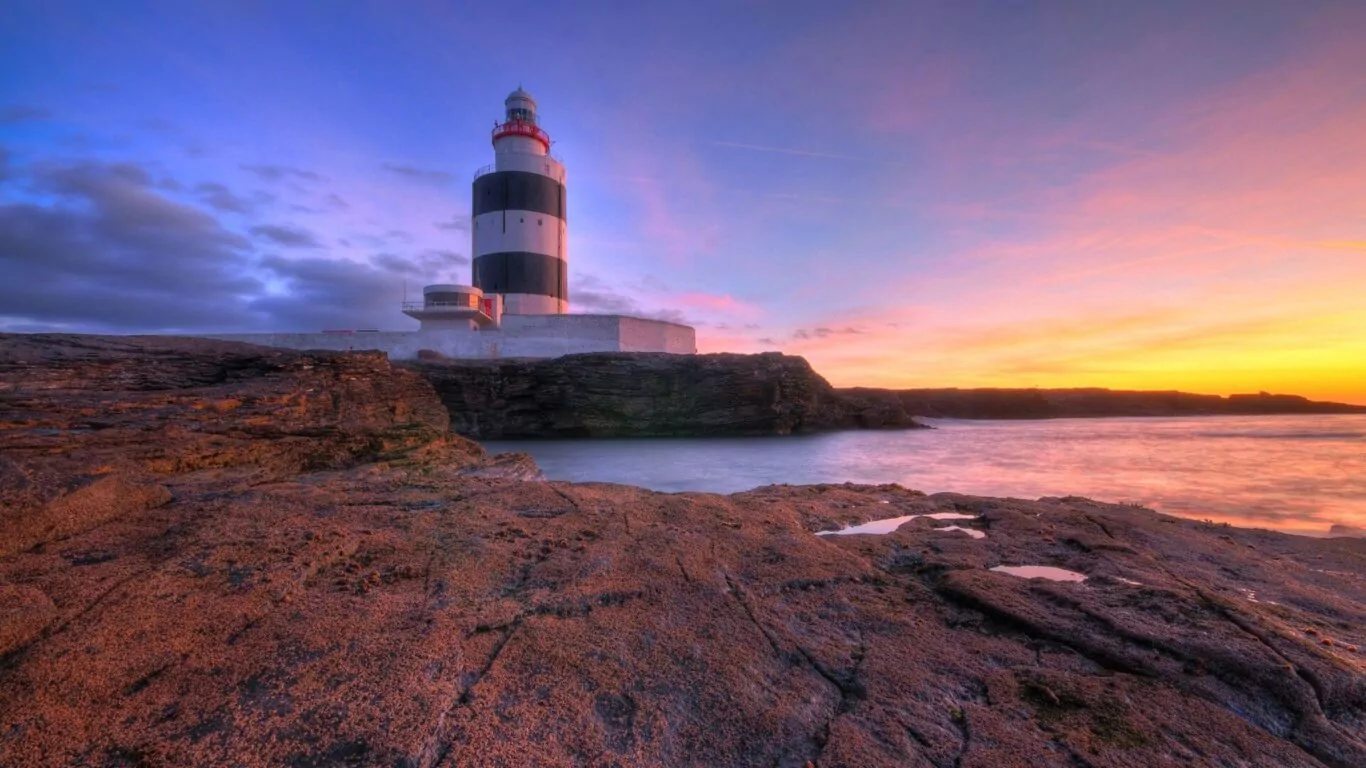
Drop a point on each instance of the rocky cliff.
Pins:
(222, 555)
(640, 395)
(629, 395)
(97, 426)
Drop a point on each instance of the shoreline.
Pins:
(218, 554)
(655, 395)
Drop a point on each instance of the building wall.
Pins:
(534, 304)
(520, 336)
(529, 157)
(514, 230)
(640, 335)
(519, 235)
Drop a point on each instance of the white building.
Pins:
(518, 301)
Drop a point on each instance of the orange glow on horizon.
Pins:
(1232, 260)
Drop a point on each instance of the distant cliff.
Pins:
(656, 395)
(1092, 402)
(640, 395)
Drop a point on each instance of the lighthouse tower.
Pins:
(518, 227)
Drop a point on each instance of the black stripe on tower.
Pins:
(522, 272)
(519, 191)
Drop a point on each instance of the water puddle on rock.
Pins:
(893, 523)
(973, 532)
(1040, 572)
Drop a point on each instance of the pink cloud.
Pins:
(1227, 261)
(715, 303)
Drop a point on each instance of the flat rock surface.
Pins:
(397, 600)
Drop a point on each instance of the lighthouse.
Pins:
(517, 305)
(518, 226)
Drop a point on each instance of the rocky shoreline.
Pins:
(217, 554)
(658, 395)
(650, 395)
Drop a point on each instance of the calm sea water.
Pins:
(1293, 473)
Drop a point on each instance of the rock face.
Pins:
(319, 576)
(630, 395)
(93, 426)
(1083, 403)
(646, 395)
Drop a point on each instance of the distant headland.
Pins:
(660, 395)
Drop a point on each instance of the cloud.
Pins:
(432, 265)
(823, 332)
(446, 257)
(108, 251)
(321, 293)
(589, 294)
(281, 172)
(783, 150)
(419, 174)
(711, 304)
(457, 222)
(105, 247)
(218, 196)
(285, 235)
(593, 295)
(602, 302)
(335, 202)
(23, 114)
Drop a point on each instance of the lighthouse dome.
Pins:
(520, 95)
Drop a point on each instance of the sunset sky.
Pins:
(1157, 195)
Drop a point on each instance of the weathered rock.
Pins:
(93, 425)
(388, 607)
(630, 395)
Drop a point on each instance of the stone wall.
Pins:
(537, 336)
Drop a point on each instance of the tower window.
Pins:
(539, 222)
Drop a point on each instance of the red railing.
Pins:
(519, 128)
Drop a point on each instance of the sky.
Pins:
(1148, 195)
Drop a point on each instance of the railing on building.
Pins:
(440, 306)
(520, 128)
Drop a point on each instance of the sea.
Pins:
(1299, 474)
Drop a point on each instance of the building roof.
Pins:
(520, 94)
